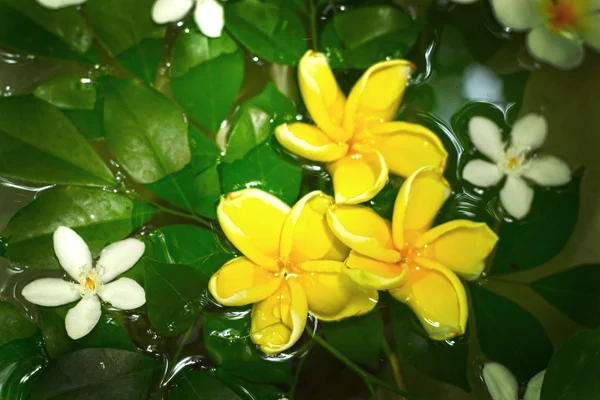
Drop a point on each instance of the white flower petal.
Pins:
(557, 50)
(118, 257)
(548, 171)
(517, 14)
(82, 318)
(209, 17)
(592, 34)
(516, 197)
(50, 292)
(482, 173)
(486, 137)
(165, 11)
(54, 4)
(529, 132)
(534, 387)
(124, 293)
(464, 1)
(72, 252)
(500, 382)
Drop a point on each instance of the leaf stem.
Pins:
(183, 342)
(366, 377)
(393, 362)
(312, 17)
(292, 393)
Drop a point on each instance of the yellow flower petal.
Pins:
(419, 200)
(370, 273)
(377, 94)
(278, 321)
(437, 297)
(363, 230)
(358, 177)
(407, 147)
(460, 245)
(333, 296)
(309, 142)
(240, 282)
(322, 96)
(306, 235)
(252, 220)
(322, 266)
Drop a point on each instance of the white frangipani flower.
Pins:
(514, 161)
(55, 4)
(208, 14)
(92, 283)
(502, 384)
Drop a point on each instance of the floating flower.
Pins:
(558, 27)
(355, 135)
(55, 4)
(502, 384)
(93, 283)
(416, 263)
(208, 14)
(292, 265)
(514, 161)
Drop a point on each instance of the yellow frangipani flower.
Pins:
(356, 136)
(292, 265)
(416, 263)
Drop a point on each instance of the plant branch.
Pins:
(183, 342)
(312, 20)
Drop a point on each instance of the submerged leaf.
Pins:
(14, 324)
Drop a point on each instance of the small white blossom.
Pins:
(514, 161)
(91, 284)
(55, 4)
(208, 14)
(502, 384)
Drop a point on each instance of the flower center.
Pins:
(562, 15)
(89, 282)
(513, 162)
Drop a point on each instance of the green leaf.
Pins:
(251, 127)
(14, 324)
(45, 147)
(227, 339)
(20, 364)
(264, 169)
(71, 91)
(276, 104)
(573, 370)
(280, 36)
(100, 217)
(510, 335)
(360, 37)
(146, 131)
(175, 295)
(530, 242)
(121, 24)
(144, 59)
(575, 292)
(192, 49)
(67, 24)
(445, 361)
(191, 245)
(248, 390)
(97, 374)
(208, 90)
(360, 338)
(88, 122)
(383, 202)
(201, 386)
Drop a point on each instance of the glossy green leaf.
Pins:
(227, 340)
(359, 338)
(196, 188)
(573, 370)
(196, 385)
(445, 361)
(99, 216)
(14, 324)
(251, 127)
(276, 104)
(360, 37)
(263, 168)
(192, 49)
(191, 245)
(146, 131)
(208, 90)
(575, 292)
(121, 24)
(509, 335)
(67, 24)
(97, 374)
(20, 364)
(71, 91)
(383, 202)
(144, 59)
(248, 390)
(45, 147)
(279, 37)
(175, 294)
(88, 122)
